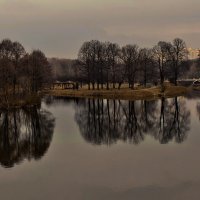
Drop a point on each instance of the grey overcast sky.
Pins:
(59, 27)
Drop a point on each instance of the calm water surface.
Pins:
(101, 149)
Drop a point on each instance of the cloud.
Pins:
(59, 27)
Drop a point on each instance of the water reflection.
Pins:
(24, 134)
(54, 101)
(198, 109)
(173, 121)
(107, 121)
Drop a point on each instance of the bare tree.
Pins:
(13, 52)
(19, 70)
(178, 55)
(147, 67)
(39, 70)
(161, 57)
(130, 57)
(113, 52)
(84, 57)
(18, 53)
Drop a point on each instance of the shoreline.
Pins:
(28, 101)
(122, 94)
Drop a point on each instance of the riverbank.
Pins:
(124, 93)
(14, 103)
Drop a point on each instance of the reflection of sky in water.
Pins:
(76, 169)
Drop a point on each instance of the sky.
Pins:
(59, 27)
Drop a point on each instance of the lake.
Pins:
(92, 149)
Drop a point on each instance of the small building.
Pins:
(193, 53)
(65, 85)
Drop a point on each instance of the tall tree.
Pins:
(113, 52)
(84, 58)
(161, 57)
(147, 65)
(130, 57)
(178, 55)
(18, 52)
(39, 70)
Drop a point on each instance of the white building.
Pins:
(193, 53)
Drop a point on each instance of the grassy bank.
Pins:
(26, 101)
(124, 93)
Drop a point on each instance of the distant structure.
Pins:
(193, 53)
(65, 85)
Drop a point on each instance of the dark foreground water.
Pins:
(101, 150)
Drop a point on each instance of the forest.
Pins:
(106, 65)
(99, 65)
(104, 62)
(21, 73)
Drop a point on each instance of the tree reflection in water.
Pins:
(107, 121)
(174, 121)
(198, 109)
(24, 134)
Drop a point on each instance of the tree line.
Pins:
(21, 72)
(105, 63)
(63, 70)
